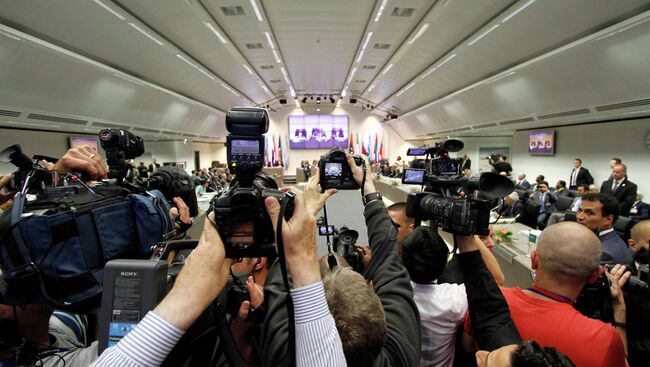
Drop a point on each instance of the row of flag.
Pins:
(275, 151)
(277, 148)
(373, 149)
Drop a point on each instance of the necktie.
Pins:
(574, 177)
(541, 202)
(616, 183)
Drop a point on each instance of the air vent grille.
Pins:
(168, 133)
(266, 67)
(145, 130)
(359, 81)
(275, 81)
(617, 106)
(232, 11)
(65, 120)
(516, 121)
(369, 67)
(402, 12)
(444, 132)
(463, 129)
(381, 46)
(581, 111)
(254, 46)
(9, 113)
(494, 124)
(109, 125)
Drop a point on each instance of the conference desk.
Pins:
(514, 256)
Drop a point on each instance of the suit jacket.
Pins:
(523, 185)
(615, 251)
(639, 211)
(625, 193)
(564, 192)
(549, 202)
(583, 178)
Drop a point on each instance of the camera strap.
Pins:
(291, 346)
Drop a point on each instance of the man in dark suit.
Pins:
(639, 210)
(547, 200)
(599, 212)
(521, 182)
(467, 163)
(579, 175)
(153, 167)
(619, 187)
(560, 188)
(512, 206)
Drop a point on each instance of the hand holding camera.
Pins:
(299, 237)
(337, 170)
(83, 158)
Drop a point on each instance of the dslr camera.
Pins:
(240, 214)
(441, 202)
(335, 172)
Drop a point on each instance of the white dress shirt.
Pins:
(442, 310)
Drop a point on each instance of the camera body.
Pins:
(335, 172)
(346, 239)
(240, 214)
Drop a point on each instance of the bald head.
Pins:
(640, 236)
(568, 251)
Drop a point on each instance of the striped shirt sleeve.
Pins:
(317, 340)
(146, 345)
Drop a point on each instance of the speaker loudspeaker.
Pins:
(353, 100)
(283, 101)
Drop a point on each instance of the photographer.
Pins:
(567, 257)
(499, 164)
(496, 333)
(379, 328)
(637, 305)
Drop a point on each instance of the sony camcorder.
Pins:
(441, 202)
(240, 214)
(344, 240)
(335, 172)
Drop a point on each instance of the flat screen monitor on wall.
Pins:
(318, 131)
(77, 141)
(541, 142)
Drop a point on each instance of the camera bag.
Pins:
(54, 251)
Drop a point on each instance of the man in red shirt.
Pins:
(567, 257)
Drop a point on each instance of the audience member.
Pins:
(153, 167)
(575, 205)
(560, 188)
(599, 212)
(521, 182)
(538, 179)
(143, 171)
(546, 199)
(566, 258)
(579, 175)
(593, 189)
(639, 210)
(512, 206)
(404, 223)
(620, 187)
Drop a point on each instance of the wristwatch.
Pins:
(371, 197)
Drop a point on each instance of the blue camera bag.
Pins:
(54, 251)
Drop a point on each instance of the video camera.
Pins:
(440, 164)
(441, 203)
(120, 145)
(345, 240)
(240, 214)
(335, 172)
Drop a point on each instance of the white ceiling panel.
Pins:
(573, 84)
(442, 65)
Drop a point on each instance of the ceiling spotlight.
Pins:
(304, 99)
(318, 110)
(311, 97)
(318, 100)
(332, 100)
